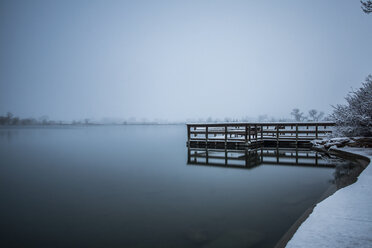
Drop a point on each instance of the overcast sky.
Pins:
(179, 59)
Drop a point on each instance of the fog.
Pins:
(176, 60)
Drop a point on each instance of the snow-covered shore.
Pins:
(345, 218)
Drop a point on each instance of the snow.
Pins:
(327, 143)
(343, 219)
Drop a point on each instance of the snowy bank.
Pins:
(342, 142)
(343, 219)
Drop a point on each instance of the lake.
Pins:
(132, 186)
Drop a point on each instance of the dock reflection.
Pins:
(250, 158)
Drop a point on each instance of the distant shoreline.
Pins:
(92, 124)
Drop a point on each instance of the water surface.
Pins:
(131, 186)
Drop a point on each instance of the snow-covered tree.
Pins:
(355, 117)
(367, 6)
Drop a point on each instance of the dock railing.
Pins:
(248, 133)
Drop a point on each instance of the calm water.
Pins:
(131, 186)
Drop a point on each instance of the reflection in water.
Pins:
(6, 134)
(346, 172)
(249, 158)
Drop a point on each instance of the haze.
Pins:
(179, 59)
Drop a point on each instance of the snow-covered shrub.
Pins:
(355, 117)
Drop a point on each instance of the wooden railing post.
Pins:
(206, 135)
(261, 132)
(316, 131)
(296, 134)
(277, 135)
(256, 132)
(188, 155)
(249, 133)
(246, 134)
(225, 136)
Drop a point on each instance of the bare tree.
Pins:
(44, 120)
(262, 118)
(209, 120)
(366, 6)
(8, 118)
(227, 119)
(298, 115)
(314, 115)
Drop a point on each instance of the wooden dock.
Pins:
(251, 135)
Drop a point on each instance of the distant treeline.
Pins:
(10, 120)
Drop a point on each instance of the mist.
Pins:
(179, 60)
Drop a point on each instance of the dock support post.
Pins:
(188, 135)
(188, 155)
(256, 132)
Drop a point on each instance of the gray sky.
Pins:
(179, 59)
